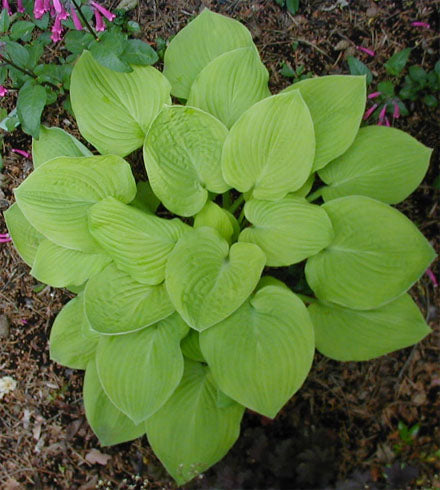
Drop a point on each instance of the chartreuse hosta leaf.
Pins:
(108, 423)
(71, 342)
(139, 243)
(202, 40)
(336, 103)
(60, 267)
(262, 353)
(206, 280)
(216, 217)
(25, 237)
(270, 149)
(306, 187)
(230, 84)
(288, 231)
(191, 432)
(145, 199)
(116, 304)
(190, 346)
(139, 371)
(53, 143)
(182, 154)
(376, 255)
(383, 163)
(55, 197)
(114, 110)
(353, 335)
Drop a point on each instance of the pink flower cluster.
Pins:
(383, 119)
(5, 238)
(6, 6)
(56, 9)
(3, 91)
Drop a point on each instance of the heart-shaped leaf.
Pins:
(109, 424)
(115, 303)
(182, 154)
(288, 231)
(71, 342)
(55, 197)
(139, 243)
(230, 84)
(353, 335)
(25, 237)
(191, 432)
(53, 143)
(270, 149)
(336, 103)
(383, 163)
(114, 110)
(139, 371)
(203, 39)
(60, 267)
(216, 217)
(262, 353)
(376, 255)
(206, 280)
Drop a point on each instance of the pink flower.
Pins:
(106, 13)
(370, 111)
(75, 18)
(431, 276)
(22, 153)
(5, 238)
(366, 50)
(3, 91)
(374, 95)
(57, 30)
(5, 5)
(60, 10)
(20, 6)
(382, 114)
(99, 26)
(39, 10)
(387, 122)
(396, 112)
(421, 24)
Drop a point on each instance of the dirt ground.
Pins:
(341, 429)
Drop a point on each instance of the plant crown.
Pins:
(181, 319)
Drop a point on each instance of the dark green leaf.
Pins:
(12, 123)
(108, 50)
(430, 100)
(22, 29)
(358, 68)
(77, 41)
(3, 75)
(292, 6)
(4, 21)
(133, 26)
(138, 52)
(387, 88)
(418, 74)
(287, 70)
(437, 67)
(43, 22)
(30, 104)
(43, 39)
(397, 62)
(35, 52)
(17, 53)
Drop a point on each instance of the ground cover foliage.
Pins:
(285, 449)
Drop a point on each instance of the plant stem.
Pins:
(86, 22)
(306, 299)
(26, 72)
(315, 195)
(236, 204)
(226, 200)
(241, 217)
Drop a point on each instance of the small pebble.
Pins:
(4, 327)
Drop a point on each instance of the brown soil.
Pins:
(344, 420)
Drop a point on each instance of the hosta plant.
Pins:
(181, 320)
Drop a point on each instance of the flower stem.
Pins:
(86, 22)
(236, 204)
(306, 299)
(315, 195)
(26, 72)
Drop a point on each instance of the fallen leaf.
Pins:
(94, 456)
